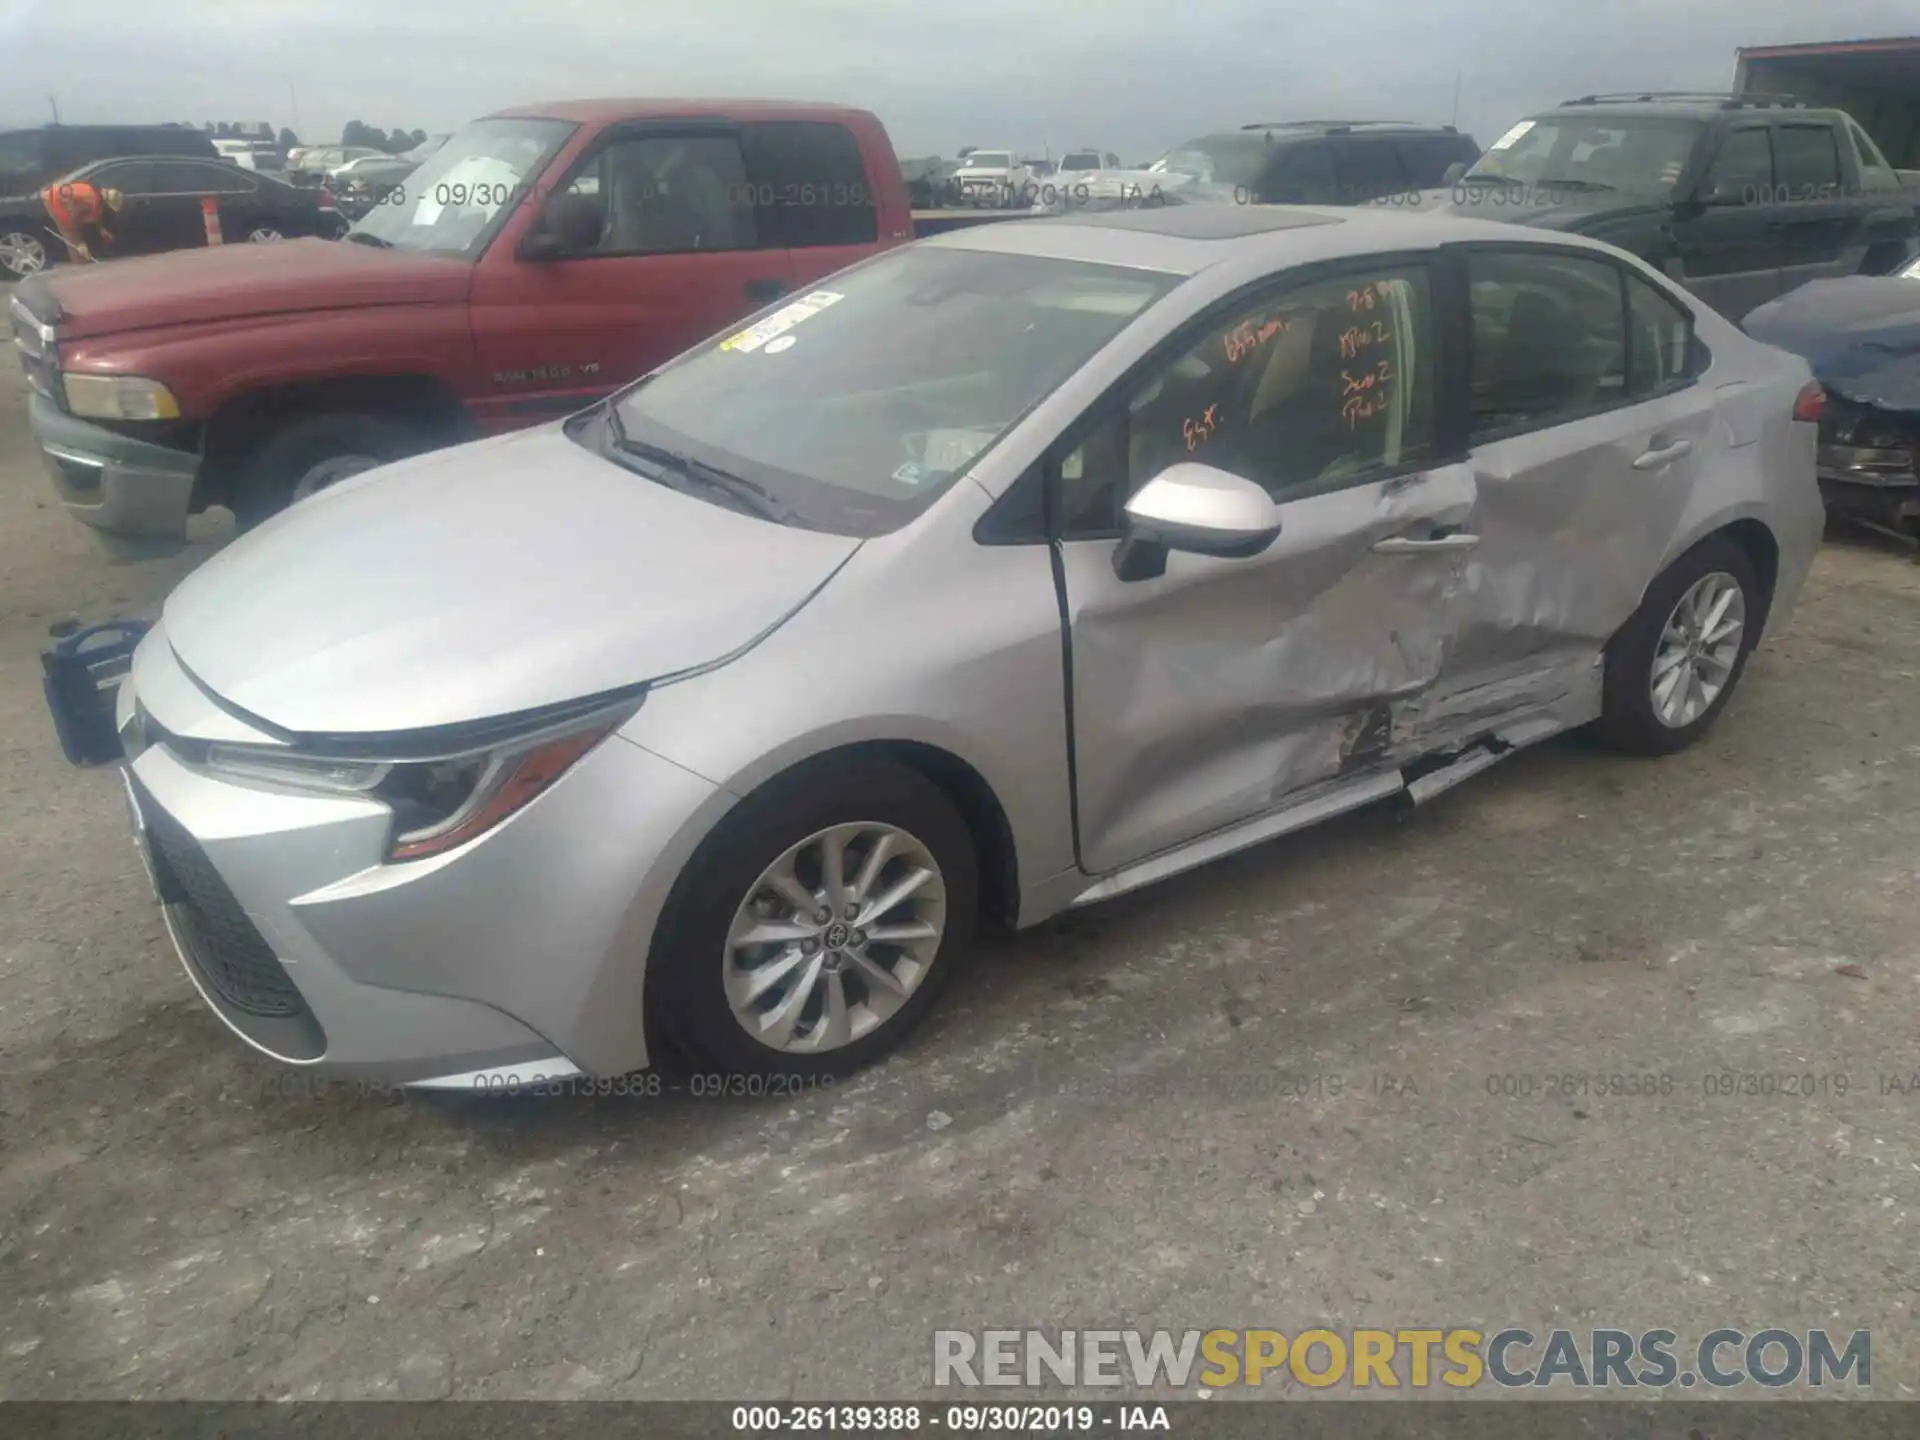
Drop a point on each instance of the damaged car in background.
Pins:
(1254, 515)
(1862, 337)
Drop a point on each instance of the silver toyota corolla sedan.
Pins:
(1003, 573)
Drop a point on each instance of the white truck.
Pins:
(996, 179)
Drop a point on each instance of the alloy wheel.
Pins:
(22, 253)
(261, 233)
(835, 937)
(1698, 648)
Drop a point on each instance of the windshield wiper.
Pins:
(362, 237)
(746, 495)
(1573, 185)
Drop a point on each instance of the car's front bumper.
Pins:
(523, 951)
(111, 481)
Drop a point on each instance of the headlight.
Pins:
(276, 767)
(119, 397)
(437, 805)
(441, 804)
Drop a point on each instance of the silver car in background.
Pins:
(1002, 573)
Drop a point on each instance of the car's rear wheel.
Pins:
(1673, 666)
(817, 926)
(264, 234)
(308, 455)
(23, 251)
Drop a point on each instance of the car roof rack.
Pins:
(1725, 99)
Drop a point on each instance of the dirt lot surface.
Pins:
(1313, 1084)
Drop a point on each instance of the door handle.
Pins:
(1661, 455)
(1403, 545)
(765, 290)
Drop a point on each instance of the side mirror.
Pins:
(1451, 176)
(1197, 509)
(569, 225)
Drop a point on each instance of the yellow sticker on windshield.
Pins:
(781, 321)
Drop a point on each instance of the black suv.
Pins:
(31, 160)
(1323, 162)
(1739, 198)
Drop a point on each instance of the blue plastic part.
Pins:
(81, 680)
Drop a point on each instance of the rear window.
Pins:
(991, 160)
(808, 184)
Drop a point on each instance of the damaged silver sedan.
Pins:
(1002, 573)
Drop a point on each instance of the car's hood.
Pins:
(1861, 335)
(481, 581)
(230, 281)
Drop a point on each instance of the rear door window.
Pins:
(1301, 175)
(1425, 158)
(809, 184)
(1659, 340)
(1549, 339)
(1369, 170)
(1806, 162)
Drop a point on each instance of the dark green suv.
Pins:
(1740, 199)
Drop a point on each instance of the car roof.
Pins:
(1186, 239)
(608, 111)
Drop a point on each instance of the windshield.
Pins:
(1639, 155)
(451, 203)
(855, 405)
(1085, 161)
(1218, 160)
(990, 160)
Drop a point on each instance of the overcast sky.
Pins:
(1135, 76)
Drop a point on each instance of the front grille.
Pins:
(225, 949)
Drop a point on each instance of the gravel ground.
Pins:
(1257, 1095)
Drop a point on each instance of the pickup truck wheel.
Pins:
(23, 251)
(311, 454)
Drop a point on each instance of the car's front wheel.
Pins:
(1673, 666)
(23, 251)
(310, 454)
(817, 926)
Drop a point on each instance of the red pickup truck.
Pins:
(539, 259)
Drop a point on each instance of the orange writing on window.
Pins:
(1197, 432)
(1356, 338)
(1367, 297)
(1246, 337)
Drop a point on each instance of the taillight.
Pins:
(1810, 404)
(326, 198)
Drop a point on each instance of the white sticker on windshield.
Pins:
(781, 321)
(1512, 135)
(950, 449)
(783, 342)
